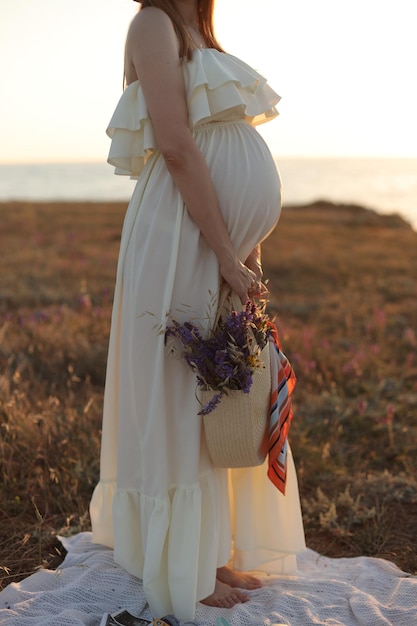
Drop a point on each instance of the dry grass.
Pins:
(344, 284)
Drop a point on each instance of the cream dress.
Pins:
(172, 517)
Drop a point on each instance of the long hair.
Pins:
(204, 23)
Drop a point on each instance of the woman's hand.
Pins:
(253, 262)
(240, 278)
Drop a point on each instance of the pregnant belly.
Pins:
(246, 180)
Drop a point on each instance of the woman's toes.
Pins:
(225, 596)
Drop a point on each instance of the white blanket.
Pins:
(335, 592)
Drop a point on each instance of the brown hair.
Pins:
(205, 10)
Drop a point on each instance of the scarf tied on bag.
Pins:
(281, 413)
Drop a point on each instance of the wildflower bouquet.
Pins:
(226, 359)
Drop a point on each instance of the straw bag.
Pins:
(237, 429)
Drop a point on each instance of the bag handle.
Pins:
(228, 301)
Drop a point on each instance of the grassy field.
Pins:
(344, 285)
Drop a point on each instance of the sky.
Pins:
(345, 71)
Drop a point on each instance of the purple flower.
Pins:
(227, 358)
(211, 404)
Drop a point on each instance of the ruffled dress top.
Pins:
(219, 88)
(171, 517)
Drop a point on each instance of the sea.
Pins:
(386, 185)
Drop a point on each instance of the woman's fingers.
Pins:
(244, 280)
(257, 270)
(240, 278)
(254, 262)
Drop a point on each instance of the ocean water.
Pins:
(385, 185)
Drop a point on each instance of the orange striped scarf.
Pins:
(281, 413)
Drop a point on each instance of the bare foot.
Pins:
(224, 596)
(235, 578)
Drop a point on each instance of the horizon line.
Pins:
(96, 161)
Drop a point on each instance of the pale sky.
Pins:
(345, 71)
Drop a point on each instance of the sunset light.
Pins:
(208, 312)
(344, 71)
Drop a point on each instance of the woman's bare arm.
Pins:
(152, 49)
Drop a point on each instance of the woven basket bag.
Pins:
(237, 429)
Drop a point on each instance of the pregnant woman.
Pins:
(208, 193)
